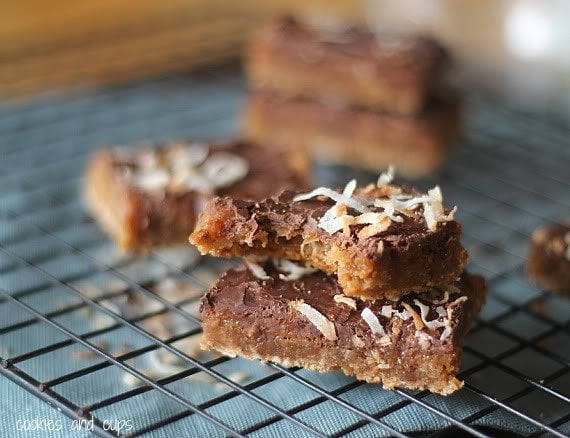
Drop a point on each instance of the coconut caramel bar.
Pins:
(380, 241)
(151, 196)
(357, 137)
(294, 316)
(345, 65)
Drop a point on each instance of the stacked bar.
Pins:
(352, 97)
(367, 280)
(151, 196)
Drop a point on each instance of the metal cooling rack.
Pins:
(74, 333)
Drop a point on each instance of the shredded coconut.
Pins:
(417, 318)
(433, 209)
(340, 298)
(335, 196)
(346, 222)
(445, 316)
(340, 210)
(424, 311)
(151, 180)
(332, 221)
(374, 229)
(452, 305)
(188, 155)
(387, 177)
(369, 218)
(448, 329)
(161, 366)
(373, 322)
(394, 206)
(292, 271)
(388, 312)
(349, 188)
(224, 169)
(187, 167)
(257, 270)
(316, 318)
(389, 209)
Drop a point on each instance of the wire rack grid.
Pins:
(82, 326)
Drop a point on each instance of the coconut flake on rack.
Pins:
(292, 271)
(373, 322)
(316, 318)
(340, 298)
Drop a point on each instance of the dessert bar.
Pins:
(151, 196)
(381, 240)
(285, 313)
(549, 258)
(357, 137)
(345, 64)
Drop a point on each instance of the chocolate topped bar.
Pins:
(295, 316)
(380, 241)
(549, 258)
(346, 64)
(151, 196)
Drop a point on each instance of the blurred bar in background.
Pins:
(519, 49)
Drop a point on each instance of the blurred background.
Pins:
(519, 49)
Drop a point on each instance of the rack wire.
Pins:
(76, 316)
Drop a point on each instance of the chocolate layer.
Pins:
(405, 257)
(255, 318)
